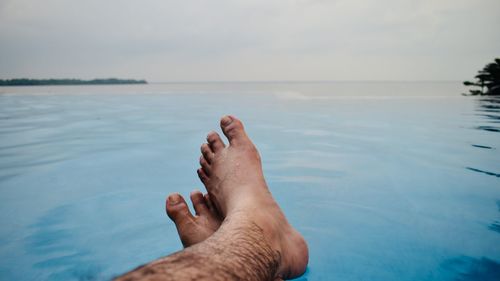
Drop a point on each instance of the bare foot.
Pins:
(235, 183)
(197, 228)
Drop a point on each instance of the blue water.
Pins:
(387, 181)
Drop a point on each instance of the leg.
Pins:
(255, 241)
(237, 251)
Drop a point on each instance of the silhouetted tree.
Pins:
(487, 79)
(44, 82)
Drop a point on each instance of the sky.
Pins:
(248, 40)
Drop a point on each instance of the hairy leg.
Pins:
(239, 250)
(255, 240)
(233, 177)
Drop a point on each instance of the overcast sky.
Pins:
(219, 40)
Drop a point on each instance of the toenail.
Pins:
(210, 137)
(226, 120)
(174, 199)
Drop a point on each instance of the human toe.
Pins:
(215, 142)
(177, 209)
(205, 165)
(233, 129)
(199, 204)
(207, 152)
(203, 176)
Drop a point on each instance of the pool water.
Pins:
(386, 181)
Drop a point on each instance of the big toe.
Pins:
(233, 129)
(177, 210)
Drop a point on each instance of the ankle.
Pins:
(266, 216)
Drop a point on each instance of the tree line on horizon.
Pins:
(50, 82)
(487, 80)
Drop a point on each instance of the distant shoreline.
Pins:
(67, 82)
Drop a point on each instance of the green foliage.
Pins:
(47, 82)
(487, 80)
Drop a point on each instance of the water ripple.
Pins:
(484, 172)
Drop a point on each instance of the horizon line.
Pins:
(250, 81)
(294, 81)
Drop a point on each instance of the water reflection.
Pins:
(484, 172)
(469, 269)
(495, 226)
(53, 239)
(489, 109)
(482, 146)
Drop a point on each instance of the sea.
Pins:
(385, 180)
